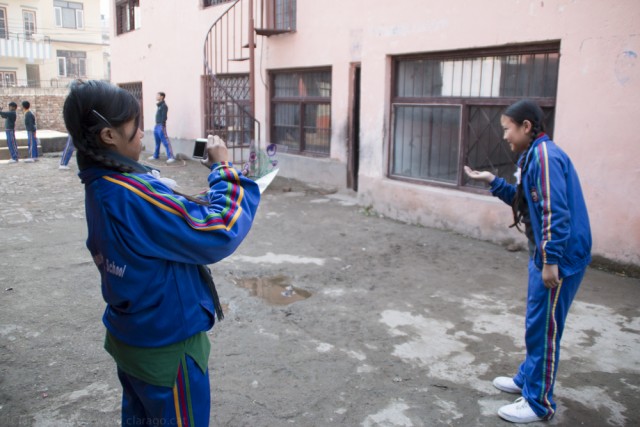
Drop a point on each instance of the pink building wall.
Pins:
(596, 110)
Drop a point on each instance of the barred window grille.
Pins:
(446, 110)
(301, 111)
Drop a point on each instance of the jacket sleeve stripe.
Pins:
(169, 204)
(174, 203)
(235, 193)
(545, 185)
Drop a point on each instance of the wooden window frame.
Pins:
(122, 25)
(301, 102)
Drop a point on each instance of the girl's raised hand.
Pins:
(479, 175)
(216, 151)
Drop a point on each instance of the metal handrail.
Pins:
(225, 49)
(35, 37)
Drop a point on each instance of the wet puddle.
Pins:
(275, 290)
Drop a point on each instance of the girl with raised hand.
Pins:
(548, 201)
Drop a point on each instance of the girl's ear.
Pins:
(107, 136)
(528, 126)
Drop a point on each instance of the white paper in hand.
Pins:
(263, 182)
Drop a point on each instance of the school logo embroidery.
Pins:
(534, 195)
(115, 269)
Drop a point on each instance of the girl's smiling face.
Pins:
(517, 135)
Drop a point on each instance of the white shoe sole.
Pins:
(518, 420)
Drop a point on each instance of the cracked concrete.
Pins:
(404, 326)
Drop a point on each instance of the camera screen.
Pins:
(199, 149)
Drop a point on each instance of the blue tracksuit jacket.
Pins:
(147, 243)
(559, 218)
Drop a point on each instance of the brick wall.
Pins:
(46, 104)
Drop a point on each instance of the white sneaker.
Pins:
(169, 161)
(64, 167)
(13, 161)
(518, 412)
(153, 158)
(29, 160)
(506, 384)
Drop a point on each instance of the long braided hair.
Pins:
(519, 112)
(90, 107)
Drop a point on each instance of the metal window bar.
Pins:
(483, 85)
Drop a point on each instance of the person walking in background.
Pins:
(66, 154)
(10, 130)
(548, 201)
(160, 130)
(30, 126)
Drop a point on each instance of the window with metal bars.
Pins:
(284, 14)
(446, 110)
(135, 89)
(301, 111)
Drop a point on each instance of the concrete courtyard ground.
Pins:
(334, 317)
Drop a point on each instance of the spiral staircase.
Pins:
(229, 73)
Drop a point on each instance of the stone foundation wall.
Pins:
(46, 104)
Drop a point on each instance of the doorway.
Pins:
(353, 148)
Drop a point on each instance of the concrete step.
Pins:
(50, 141)
(23, 152)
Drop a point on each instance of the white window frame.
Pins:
(25, 13)
(82, 67)
(79, 19)
(57, 11)
(62, 61)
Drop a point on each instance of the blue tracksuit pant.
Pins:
(33, 144)
(160, 134)
(547, 311)
(67, 152)
(11, 143)
(187, 404)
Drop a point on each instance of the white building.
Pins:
(47, 43)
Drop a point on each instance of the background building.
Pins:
(391, 99)
(49, 42)
(45, 44)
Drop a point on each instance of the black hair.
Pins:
(26, 104)
(162, 94)
(526, 109)
(94, 105)
(519, 112)
(13, 104)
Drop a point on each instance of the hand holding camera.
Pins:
(216, 151)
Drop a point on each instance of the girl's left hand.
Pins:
(485, 176)
(216, 151)
(550, 276)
